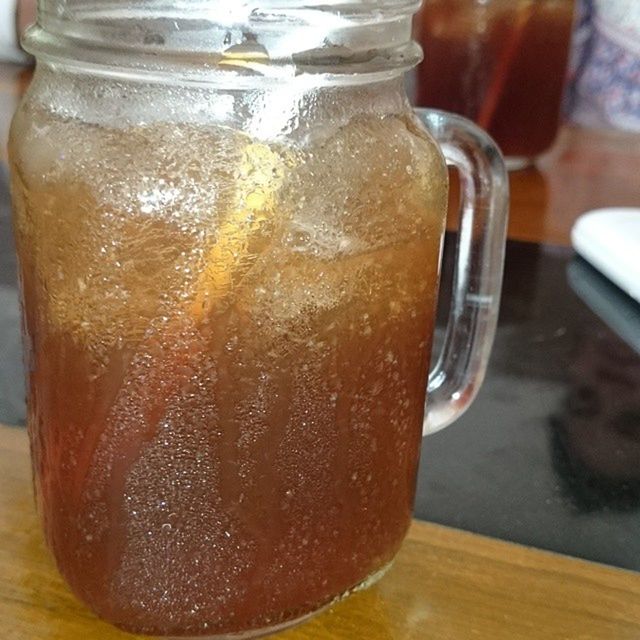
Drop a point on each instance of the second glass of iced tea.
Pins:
(501, 63)
(229, 232)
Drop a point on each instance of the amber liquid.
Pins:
(501, 64)
(228, 347)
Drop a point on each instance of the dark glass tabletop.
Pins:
(549, 454)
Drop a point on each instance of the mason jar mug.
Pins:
(229, 224)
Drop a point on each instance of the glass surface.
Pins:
(229, 291)
(500, 63)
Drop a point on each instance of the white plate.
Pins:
(610, 240)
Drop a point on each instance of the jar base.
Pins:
(253, 633)
(266, 631)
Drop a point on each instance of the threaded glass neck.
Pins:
(269, 38)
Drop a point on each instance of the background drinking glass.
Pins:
(501, 63)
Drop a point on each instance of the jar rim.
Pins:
(226, 11)
(270, 38)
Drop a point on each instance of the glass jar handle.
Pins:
(477, 280)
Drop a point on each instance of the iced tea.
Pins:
(500, 63)
(228, 342)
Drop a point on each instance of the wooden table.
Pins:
(584, 170)
(445, 585)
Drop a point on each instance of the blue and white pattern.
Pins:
(605, 83)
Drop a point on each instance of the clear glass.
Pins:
(501, 63)
(229, 284)
(484, 196)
